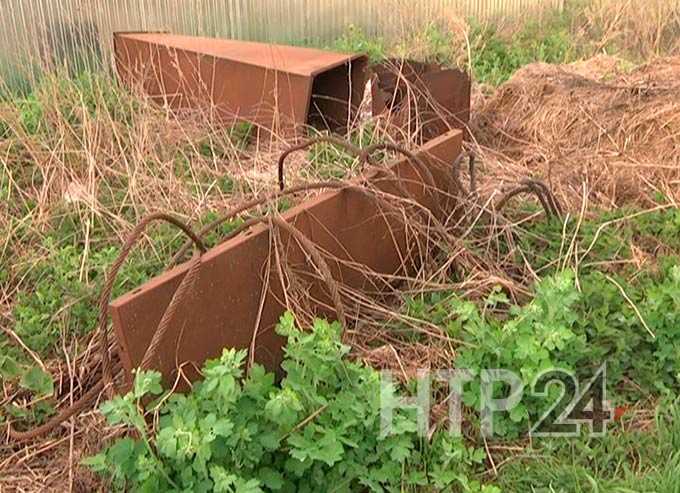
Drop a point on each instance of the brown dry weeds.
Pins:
(593, 130)
(592, 126)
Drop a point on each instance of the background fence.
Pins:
(50, 32)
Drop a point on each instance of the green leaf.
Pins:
(518, 413)
(271, 478)
(249, 486)
(9, 368)
(283, 408)
(223, 482)
(166, 442)
(286, 325)
(37, 381)
(124, 455)
(147, 383)
(96, 462)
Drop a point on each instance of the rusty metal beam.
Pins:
(278, 87)
(424, 99)
(224, 312)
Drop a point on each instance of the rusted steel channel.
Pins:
(276, 86)
(421, 98)
(225, 307)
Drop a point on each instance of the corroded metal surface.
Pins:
(276, 86)
(421, 98)
(238, 295)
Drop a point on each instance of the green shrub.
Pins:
(354, 40)
(319, 430)
(576, 323)
(539, 335)
(495, 58)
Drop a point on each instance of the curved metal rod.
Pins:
(524, 189)
(347, 146)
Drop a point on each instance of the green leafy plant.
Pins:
(318, 430)
(328, 160)
(573, 327)
(64, 301)
(496, 57)
(534, 338)
(354, 40)
(64, 298)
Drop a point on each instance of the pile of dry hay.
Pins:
(590, 128)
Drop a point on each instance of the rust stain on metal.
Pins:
(224, 309)
(276, 86)
(421, 97)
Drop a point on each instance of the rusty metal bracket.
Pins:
(278, 87)
(235, 305)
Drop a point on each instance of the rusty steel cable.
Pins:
(337, 185)
(188, 282)
(363, 155)
(185, 287)
(552, 200)
(111, 275)
(311, 249)
(106, 379)
(232, 213)
(424, 170)
(285, 191)
(81, 404)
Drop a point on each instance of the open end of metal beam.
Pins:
(283, 88)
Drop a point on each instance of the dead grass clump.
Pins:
(617, 131)
(641, 29)
(53, 464)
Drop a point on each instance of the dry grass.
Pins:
(598, 132)
(107, 158)
(645, 30)
(590, 128)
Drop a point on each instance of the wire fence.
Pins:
(50, 32)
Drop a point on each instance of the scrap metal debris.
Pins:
(238, 297)
(275, 86)
(344, 239)
(423, 99)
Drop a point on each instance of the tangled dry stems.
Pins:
(590, 128)
(592, 123)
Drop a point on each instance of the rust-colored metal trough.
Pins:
(235, 300)
(421, 98)
(278, 87)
